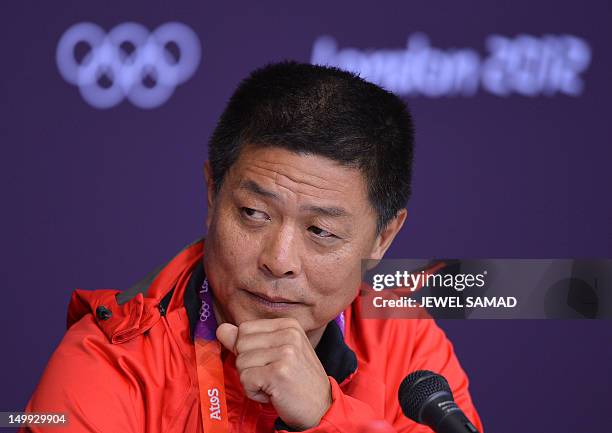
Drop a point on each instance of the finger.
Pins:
(262, 357)
(260, 397)
(267, 340)
(257, 383)
(227, 334)
(267, 325)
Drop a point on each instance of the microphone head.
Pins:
(416, 388)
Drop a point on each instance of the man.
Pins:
(309, 174)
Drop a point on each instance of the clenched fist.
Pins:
(278, 365)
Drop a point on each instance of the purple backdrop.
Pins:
(96, 198)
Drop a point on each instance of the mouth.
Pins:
(272, 301)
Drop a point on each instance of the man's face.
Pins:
(286, 236)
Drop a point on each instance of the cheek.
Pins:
(336, 282)
(233, 243)
(231, 251)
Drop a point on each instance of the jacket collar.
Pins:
(336, 357)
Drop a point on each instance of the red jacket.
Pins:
(127, 364)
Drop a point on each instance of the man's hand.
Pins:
(277, 364)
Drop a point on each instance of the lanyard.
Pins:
(213, 402)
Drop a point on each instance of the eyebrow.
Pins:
(329, 211)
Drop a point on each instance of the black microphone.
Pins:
(426, 398)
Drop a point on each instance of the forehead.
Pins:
(299, 176)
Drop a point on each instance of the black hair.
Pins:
(326, 111)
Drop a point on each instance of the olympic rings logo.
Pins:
(128, 62)
(205, 308)
(204, 311)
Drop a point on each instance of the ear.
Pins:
(210, 192)
(385, 238)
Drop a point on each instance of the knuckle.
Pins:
(288, 351)
(293, 334)
(283, 371)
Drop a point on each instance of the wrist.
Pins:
(325, 405)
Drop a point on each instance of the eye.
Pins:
(321, 233)
(254, 214)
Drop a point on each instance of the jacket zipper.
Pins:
(163, 304)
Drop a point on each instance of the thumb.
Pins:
(227, 334)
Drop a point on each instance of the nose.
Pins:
(280, 253)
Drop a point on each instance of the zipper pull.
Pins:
(162, 310)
